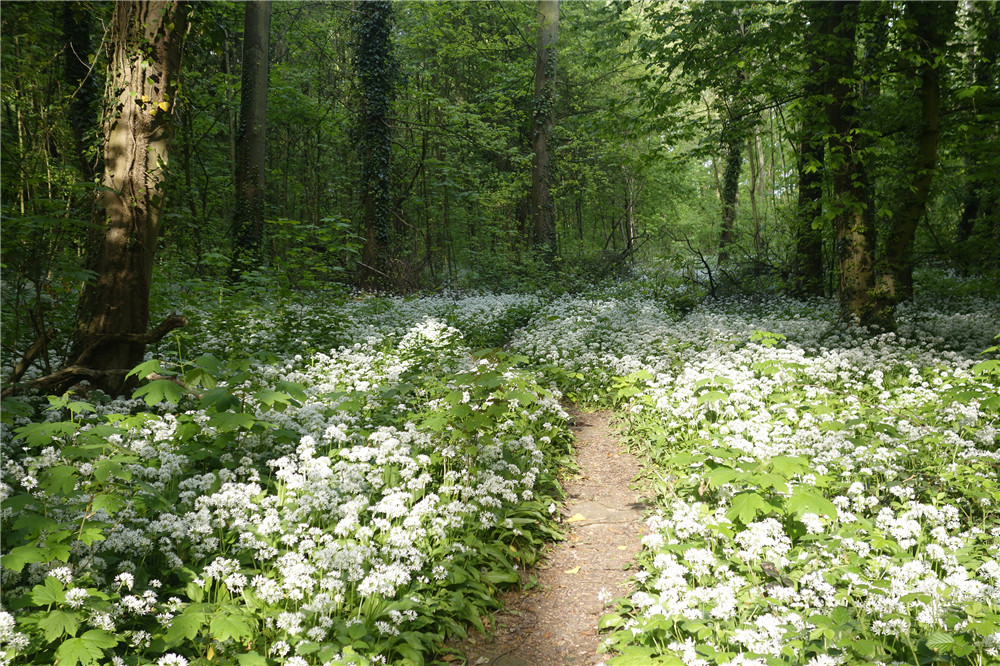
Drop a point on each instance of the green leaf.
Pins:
(251, 659)
(110, 503)
(60, 479)
(18, 557)
(160, 390)
(408, 652)
(58, 623)
(145, 368)
(712, 396)
(721, 476)
(107, 467)
(806, 500)
(227, 421)
(220, 399)
(186, 625)
(987, 367)
(50, 592)
(940, 641)
(86, 649)
(788, 466)
(746, 506)
(227, 625)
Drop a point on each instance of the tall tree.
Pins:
(730, 192)
(376, 70)
(142, 79)
(78, 25)
(807, 260)
(851, 204)
(543, 119)
(251, 140)
(932, 23)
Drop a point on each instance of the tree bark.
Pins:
(730, 195)
(933, 23)
(251, 141)
(853, 227)
(143, 70)
(376, 71)
(77, 28)
(542, 209)
(807, 262)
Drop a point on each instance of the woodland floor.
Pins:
(555, 621)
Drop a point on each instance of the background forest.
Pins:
(721, 136)
(295, 294)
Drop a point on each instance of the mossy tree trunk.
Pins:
(142, 83)
(851, 203)
(541, 204)
(251, 143)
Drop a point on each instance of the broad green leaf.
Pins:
(58, 623)
(108, 467)
(226, 421)
(224, 626)
(940, 641)
(807, 500)
(145, 368)
(186, 625)
(110, 503)
(18, 557)
(712, 396)
(86, 649)
(721, 476)
(251, 659)
(60, 479)
(159, 390)
(746, 506)
(50, 592)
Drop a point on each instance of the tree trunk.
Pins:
(375, 68)
(77, 26)
(730, 193)
(542, 210)
(933, 23)
(143, 68)
(807, 263)
(855, 233)
(251, 143)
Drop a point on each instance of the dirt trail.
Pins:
(555, 623)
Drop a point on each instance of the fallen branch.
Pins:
(149, 337)
(29, 356)
(78, 370)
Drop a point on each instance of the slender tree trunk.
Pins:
(933, 23)
(376, 71)
(141, 90)
(251, 141)
(542, 209)
(854, 230)
(77, 28)
(730, 194)
(807, 263)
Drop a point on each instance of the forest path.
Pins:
(555, 622)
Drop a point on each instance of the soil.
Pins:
(555, 621)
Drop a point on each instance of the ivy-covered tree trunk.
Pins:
(251, 143)
(932, 22)
(730, 195)
(807, 261)
(542, 206)
(976, 233)
(78, 24)
(143, 68)
(851, 204)
(375, 68)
